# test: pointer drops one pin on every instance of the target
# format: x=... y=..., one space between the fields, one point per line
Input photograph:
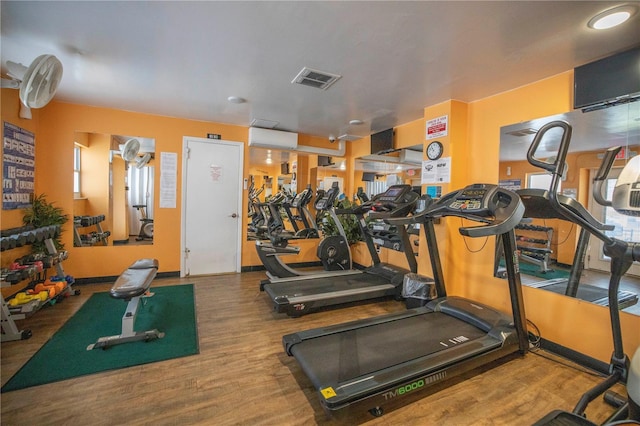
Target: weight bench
x=131 y=286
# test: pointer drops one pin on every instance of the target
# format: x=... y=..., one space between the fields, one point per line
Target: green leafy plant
x=349 y=222
x=43 y=213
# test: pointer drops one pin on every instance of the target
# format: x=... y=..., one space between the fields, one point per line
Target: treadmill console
x=326 y=201
x=474 y=199
x=500 y=209
x=302 y=198
x=396 y=201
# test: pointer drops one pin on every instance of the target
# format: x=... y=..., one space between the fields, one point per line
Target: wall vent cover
x=314 y=78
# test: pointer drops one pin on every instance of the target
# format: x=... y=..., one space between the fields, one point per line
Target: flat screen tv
x=284 y=168
x=368 y=177
x=324 y=161
x=609 y=81
x=382 y=142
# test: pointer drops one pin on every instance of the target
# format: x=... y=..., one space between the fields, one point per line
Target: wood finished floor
x=243 y=377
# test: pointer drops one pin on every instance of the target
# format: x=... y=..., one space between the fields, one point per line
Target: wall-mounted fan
x=37 y=83
x=129 y=150
x=143 y=160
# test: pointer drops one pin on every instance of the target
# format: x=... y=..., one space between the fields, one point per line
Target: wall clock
x=434 y=150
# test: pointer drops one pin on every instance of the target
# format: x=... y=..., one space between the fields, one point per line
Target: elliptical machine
x=333 y=251
x=622 y=255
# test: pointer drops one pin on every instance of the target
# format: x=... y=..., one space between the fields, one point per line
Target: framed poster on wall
x=18 y=167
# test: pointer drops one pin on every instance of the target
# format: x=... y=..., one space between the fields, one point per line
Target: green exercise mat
x=171 y=310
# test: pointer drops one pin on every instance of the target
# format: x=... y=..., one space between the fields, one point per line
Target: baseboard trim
x=577 y=357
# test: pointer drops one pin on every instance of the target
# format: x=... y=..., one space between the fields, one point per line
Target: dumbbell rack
x=90 y=239
x=19 y=238
x=533 y=249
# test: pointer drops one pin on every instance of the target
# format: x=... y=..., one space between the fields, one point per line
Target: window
x=76 y=171
x=376 y=187
x=541 y=181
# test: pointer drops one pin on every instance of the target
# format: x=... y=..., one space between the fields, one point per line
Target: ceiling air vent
x=349 y=138
x=265 y=124
x=314 y=78
x=523 y=132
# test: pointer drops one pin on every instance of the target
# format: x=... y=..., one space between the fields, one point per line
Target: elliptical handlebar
x=557 y=167
x=498 y=208
x=601 y=175
x=556 y=170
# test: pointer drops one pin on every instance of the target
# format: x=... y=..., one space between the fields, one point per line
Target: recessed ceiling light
x=356 y=122
x=612 y=17
x=236 y=100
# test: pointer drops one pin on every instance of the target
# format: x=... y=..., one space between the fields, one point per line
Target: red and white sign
x=437 y=127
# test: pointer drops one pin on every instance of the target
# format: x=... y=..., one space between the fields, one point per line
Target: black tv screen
x=284 y=168
x=368 y=177
x=382 y=141
x=324 y=160
x=606 y=80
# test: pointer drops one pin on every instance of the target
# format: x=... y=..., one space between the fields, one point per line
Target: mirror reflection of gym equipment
x=113 y=175
x=146 y=224
x=553 y=241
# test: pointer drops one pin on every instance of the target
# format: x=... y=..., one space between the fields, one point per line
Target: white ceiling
x=183 y=59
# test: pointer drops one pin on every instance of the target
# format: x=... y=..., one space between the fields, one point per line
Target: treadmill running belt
x=343 y=356
x=592 y=294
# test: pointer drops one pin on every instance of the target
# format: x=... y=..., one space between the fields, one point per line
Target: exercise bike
x=146 y=224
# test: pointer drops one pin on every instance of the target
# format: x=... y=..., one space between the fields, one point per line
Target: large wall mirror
x=113 y=189
x=548 y=246
x=278 y=176
x=375 y=172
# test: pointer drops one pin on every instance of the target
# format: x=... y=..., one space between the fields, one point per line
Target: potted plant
x=43 y=213
x=349 y=223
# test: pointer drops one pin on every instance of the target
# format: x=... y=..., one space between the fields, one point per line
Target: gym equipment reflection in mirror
x=548 y=246
x=114 y=189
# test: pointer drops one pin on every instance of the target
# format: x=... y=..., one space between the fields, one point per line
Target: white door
x=627 y=228
x=211 y=206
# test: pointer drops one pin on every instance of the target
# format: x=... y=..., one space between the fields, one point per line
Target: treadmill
x=300 y=295
x=365 y=364
x=539 y=205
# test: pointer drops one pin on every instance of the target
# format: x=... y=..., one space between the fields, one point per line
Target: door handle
x=233 y=215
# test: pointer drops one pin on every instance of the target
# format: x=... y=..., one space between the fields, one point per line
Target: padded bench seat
x=136 y=280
